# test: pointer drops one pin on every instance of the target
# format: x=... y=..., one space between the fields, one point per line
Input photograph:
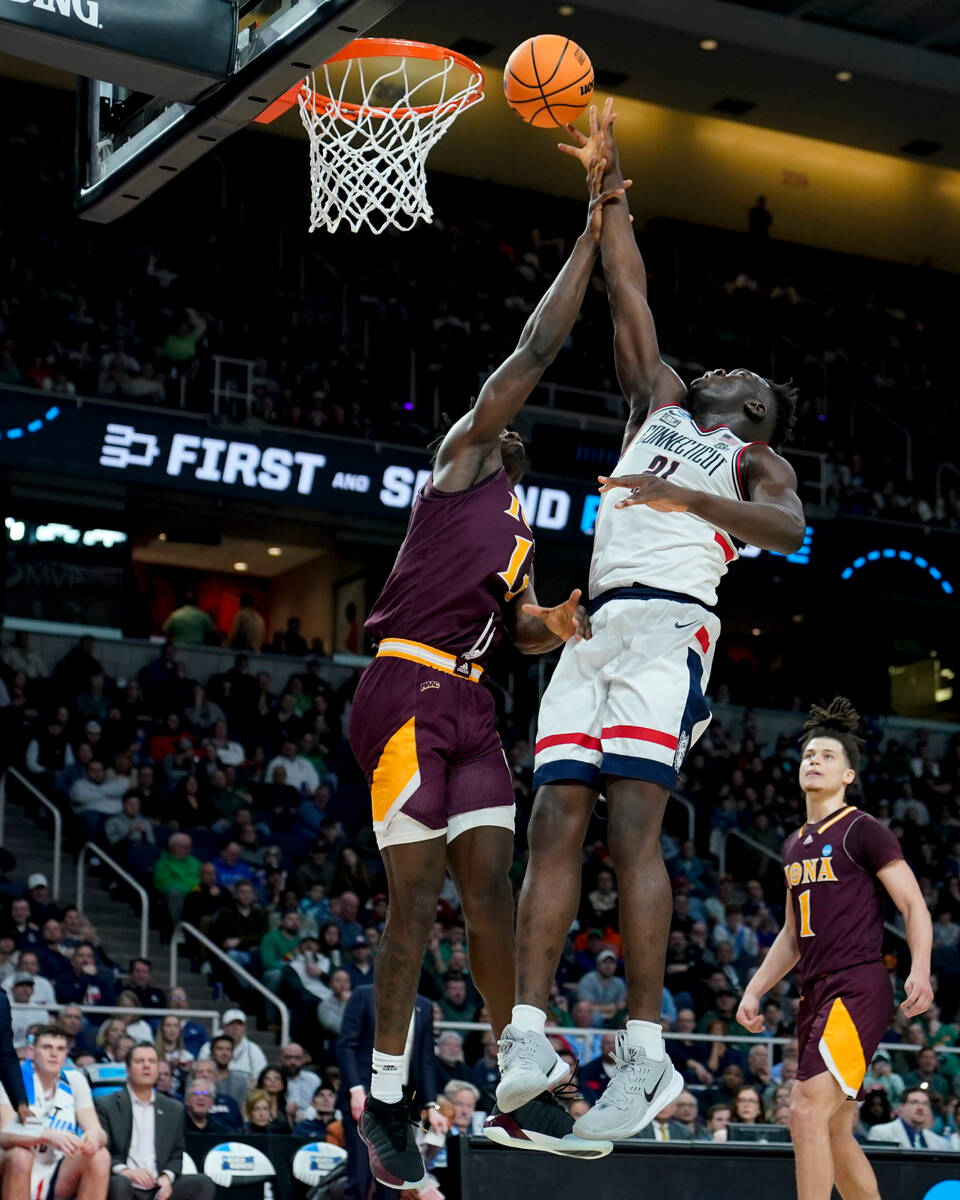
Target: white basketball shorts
x=630 y=700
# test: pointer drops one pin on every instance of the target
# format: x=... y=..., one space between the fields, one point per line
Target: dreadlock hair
x=446 y=424
x=786 y=397
x=839 y=720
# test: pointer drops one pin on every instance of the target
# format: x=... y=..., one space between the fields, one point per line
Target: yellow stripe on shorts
x=397 y=774
x=841 y=1049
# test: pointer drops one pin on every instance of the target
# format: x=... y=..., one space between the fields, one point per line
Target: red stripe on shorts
x=703 y=638
x=567 y=739
x=640 y=734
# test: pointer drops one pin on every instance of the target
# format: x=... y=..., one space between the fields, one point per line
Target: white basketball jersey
x=671 y=550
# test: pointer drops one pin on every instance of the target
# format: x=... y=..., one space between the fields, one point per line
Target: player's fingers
x=574 y=596
x=566 y=148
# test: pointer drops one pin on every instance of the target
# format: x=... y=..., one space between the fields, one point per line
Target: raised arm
x=772 y=518
x=645 y=379
x=471 y=448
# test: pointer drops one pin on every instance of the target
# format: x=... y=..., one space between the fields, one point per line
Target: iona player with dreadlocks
x=697 y=473
x=840 y=866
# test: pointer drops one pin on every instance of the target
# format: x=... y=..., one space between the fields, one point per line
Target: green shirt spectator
x=177 y=871
x=280 y=945
x=182 y=345
x=189 y=625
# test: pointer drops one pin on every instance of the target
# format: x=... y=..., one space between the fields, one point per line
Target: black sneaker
x=387 y=1131
x=542 y=1124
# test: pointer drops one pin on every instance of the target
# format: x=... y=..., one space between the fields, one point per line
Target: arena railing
x=749 y=1039
x=183 y=929
x=128 y=879
x=52 y=808
x=765 y=850
x=210 y=1015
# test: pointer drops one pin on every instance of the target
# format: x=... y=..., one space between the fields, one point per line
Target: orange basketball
x=548 y=80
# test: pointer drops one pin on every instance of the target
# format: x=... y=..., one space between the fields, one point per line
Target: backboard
x=140 y=127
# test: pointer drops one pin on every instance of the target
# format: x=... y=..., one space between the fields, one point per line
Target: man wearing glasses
x=145 y=1136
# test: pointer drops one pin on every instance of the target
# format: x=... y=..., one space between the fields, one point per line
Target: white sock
x=387 y=1081
x=526 y=1017
x=645 y=1036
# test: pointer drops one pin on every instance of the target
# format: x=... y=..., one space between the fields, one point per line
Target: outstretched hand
x=567 y=620
x=656 y=493
x=599 y=143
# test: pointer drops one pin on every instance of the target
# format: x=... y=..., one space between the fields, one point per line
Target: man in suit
x=664 y=1128
x=911 y=1129
x=355 y=1055
x=10 y=1075
x=145 y=1137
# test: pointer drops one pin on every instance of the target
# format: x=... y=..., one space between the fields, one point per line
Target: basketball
x=548 y=80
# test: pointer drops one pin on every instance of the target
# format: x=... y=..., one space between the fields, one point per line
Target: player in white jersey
x=61 y=1152
x=697 y=474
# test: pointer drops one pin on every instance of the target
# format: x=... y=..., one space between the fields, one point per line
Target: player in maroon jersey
x=839 y=866
x=422 y=726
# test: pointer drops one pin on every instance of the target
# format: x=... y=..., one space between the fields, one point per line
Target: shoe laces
x=523 y=1046
x=633 y=1072
x=395 y=1120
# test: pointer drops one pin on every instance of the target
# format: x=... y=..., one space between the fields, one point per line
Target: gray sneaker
x=640 y=1088
x=528 y=1065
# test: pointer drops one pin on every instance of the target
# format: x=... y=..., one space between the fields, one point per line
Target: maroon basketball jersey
x=838 y=902
x=465 y=556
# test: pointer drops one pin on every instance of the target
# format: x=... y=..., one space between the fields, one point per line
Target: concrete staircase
x=30 y=839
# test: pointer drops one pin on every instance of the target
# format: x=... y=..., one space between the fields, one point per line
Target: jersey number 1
x=806 y=929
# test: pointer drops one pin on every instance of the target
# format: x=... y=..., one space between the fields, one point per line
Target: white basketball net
x=368 y=158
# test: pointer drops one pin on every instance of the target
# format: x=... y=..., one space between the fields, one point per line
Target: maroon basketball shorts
x=842 y=1019
x=426 y=740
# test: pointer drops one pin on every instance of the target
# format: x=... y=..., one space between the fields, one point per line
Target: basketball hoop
x=368 y=155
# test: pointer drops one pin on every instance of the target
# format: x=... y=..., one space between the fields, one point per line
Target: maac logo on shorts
x=428 y=684
x=681 y=753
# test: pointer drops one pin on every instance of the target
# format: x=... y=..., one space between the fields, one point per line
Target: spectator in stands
x=747 y=1105
x=198 y=1100
x=665 y=1127
x=42 y=908
x=225 y=1108
x=49 y=753
x=136 y=1028
x=170 y=1045
x=301 y=1084
x=316 y=868
x=130 y=826
x=246 y=1057
x=277 y=947
x=240 y=927
x=300 y=773
x=139 y=981
x=880 y=1075
x=687 y=1115
x=719 y=1117
x=43 y=989
x=330 y=1011
x=928 y=1074
x=166 y=1085
x=602 y=988
x=176 y=874
x=291 y=640
x=83 y=983
x=194 y=1035
x=94 y=798
x=450 y=1059
x=189 y=625
x=249 y=628
x=80 y=1034
x=911 y=1128
x=464 y=1097
x=319 y=1122
x=26 y=932
x=21 y=1022
x=273 y=1085
x=76 y=668
x=597 y=1073
x=360 y=967
x=19 y=657
x=230 y=867
x=258 y=1117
